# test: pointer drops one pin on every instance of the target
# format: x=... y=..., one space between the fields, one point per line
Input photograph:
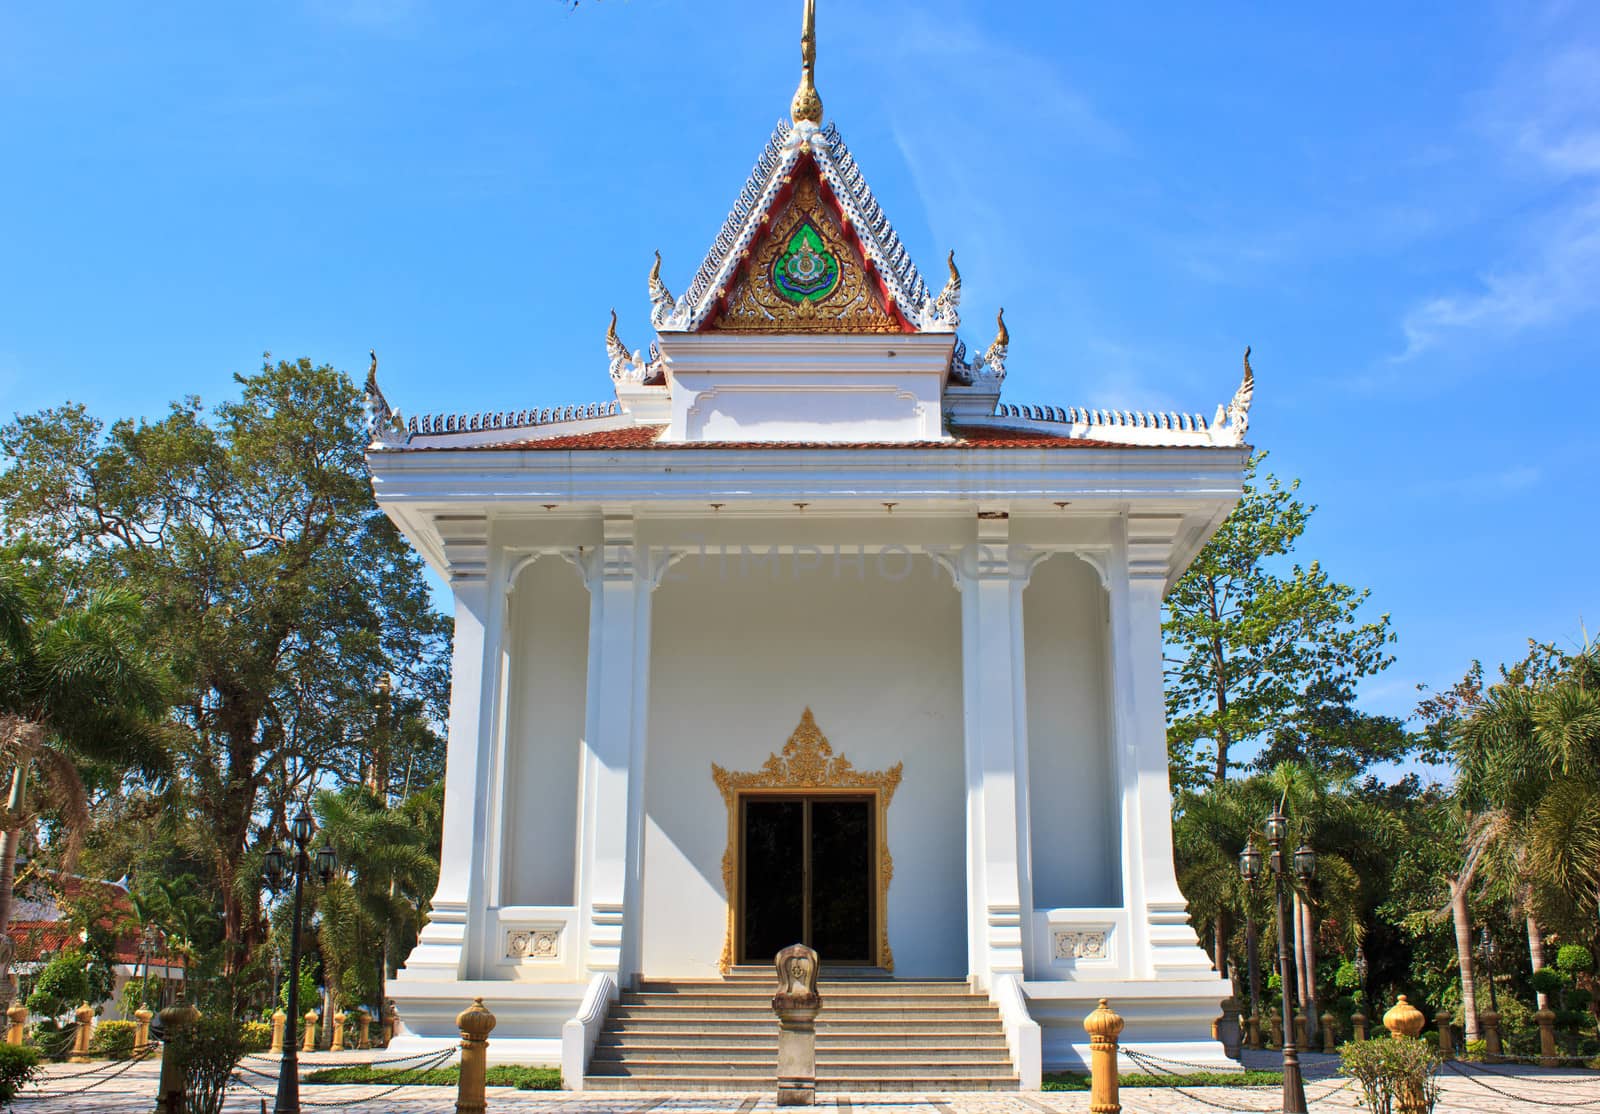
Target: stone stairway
x=872 y=1035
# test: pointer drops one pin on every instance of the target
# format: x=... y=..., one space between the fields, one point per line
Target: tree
x=1326 y=731
x=391 y=862
x=75 y=682
x=1246 y=643
x=277 y=589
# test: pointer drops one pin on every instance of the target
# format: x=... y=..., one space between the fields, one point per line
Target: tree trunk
x=1536 y=953
x=1252 y=948
x=1308 y=930
x=1463 y=926
x=1222 y=930
x=10 y=840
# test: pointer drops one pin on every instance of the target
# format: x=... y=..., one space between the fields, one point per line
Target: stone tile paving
x=1504 y=1089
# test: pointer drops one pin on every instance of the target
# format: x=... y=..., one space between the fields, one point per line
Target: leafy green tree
x=61 y=985
x=1245 y=641
x=1325 y=730
x=275 y=587
x=75 y=682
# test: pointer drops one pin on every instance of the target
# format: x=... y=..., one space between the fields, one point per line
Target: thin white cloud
x=1546 y=120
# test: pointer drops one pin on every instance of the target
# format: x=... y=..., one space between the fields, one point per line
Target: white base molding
x=1170 y=1019
x=527 y=1017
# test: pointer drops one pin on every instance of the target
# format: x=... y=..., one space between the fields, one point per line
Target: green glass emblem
x=806 y=271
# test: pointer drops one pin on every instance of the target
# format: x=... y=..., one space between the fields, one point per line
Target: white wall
x=1073 y=805
x=740 y=649
x=549 y=635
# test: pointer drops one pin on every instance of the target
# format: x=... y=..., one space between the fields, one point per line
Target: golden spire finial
x=806 y=104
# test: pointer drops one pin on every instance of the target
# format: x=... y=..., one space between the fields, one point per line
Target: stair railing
x=579 y=1033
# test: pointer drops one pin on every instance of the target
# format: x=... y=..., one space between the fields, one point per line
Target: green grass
x=503 y=1075
x=1071 y=1081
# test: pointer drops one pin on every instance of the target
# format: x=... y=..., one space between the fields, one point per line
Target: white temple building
x=804 y=635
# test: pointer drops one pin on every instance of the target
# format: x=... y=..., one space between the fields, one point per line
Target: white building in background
x=806 y=635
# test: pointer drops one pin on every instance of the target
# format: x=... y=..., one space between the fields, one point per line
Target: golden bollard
x=1358 y=1025
x=1104 y=1027
x=84 y=1016
x=1447 y=1044
x=141 y=1031
x=1301 y=1040
x=475 y=1023
x=337 y=1044
x=310 y=1042
x=169 y=1093
x=1547 y=1037
x=1275 y=1030
x=1330 y=1031
x=1253 y=1027
x=17 y=1015
x=1490 y=1021
x=363 y=1028
x=279 y=1019
x=1404 y=1020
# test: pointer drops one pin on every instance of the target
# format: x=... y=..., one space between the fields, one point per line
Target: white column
x=614 y=752
x=994 y=687
x=1163 y=944
x=441 y=951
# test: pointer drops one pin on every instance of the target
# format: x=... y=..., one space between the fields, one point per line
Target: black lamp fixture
x=1304 y=866
x=278 y=869
x=1490 y=952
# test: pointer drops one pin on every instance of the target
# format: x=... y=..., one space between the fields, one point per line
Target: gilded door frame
x=807 y=766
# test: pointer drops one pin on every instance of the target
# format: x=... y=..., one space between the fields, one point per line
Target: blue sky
x=1398 y=206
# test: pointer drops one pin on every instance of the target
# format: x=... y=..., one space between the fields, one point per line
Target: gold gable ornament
x=805 y=275
x=807 y=761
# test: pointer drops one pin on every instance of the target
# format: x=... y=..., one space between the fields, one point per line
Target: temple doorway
x=808 y=875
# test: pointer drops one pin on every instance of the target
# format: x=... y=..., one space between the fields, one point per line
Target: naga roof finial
x=661 y=301
x=807 y=105
x=1239 y=405
x=995 y=357
x=948 y=304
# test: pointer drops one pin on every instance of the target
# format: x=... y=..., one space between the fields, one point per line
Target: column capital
x=465 y=538
x=1150 y=542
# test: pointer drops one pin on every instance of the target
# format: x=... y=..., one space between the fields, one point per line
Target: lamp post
x=1490 y=950
x=1361 y=976
x=278 y=871
x=1304 y=866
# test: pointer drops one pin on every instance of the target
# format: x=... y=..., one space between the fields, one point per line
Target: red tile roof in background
x=646 y=437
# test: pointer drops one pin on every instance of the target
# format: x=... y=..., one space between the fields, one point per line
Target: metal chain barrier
x=1153 y=1065
x=1521 y=1096
x=436 y=1059
x=1149 y=1065
x=106 y=1076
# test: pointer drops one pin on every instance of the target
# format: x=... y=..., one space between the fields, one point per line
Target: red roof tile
x=646 y=437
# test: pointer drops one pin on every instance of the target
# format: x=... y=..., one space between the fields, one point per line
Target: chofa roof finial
x=807 y=105
x=661 y=301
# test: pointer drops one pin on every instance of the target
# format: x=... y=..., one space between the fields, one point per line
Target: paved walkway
x=1502 y=1089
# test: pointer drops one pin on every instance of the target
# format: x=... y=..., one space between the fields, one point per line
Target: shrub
x=255 y=1036
x=136 y=992
x=209 y=1050
x=113 y=1039
x=62 y=984
x=19 y=1066
x=1573 y=959
x=501 y=1075
x=1388 y=1069
x=1547 y=980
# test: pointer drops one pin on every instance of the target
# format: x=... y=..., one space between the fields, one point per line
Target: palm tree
x=1529 y=756
x=75 y=685
x=392 y=865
